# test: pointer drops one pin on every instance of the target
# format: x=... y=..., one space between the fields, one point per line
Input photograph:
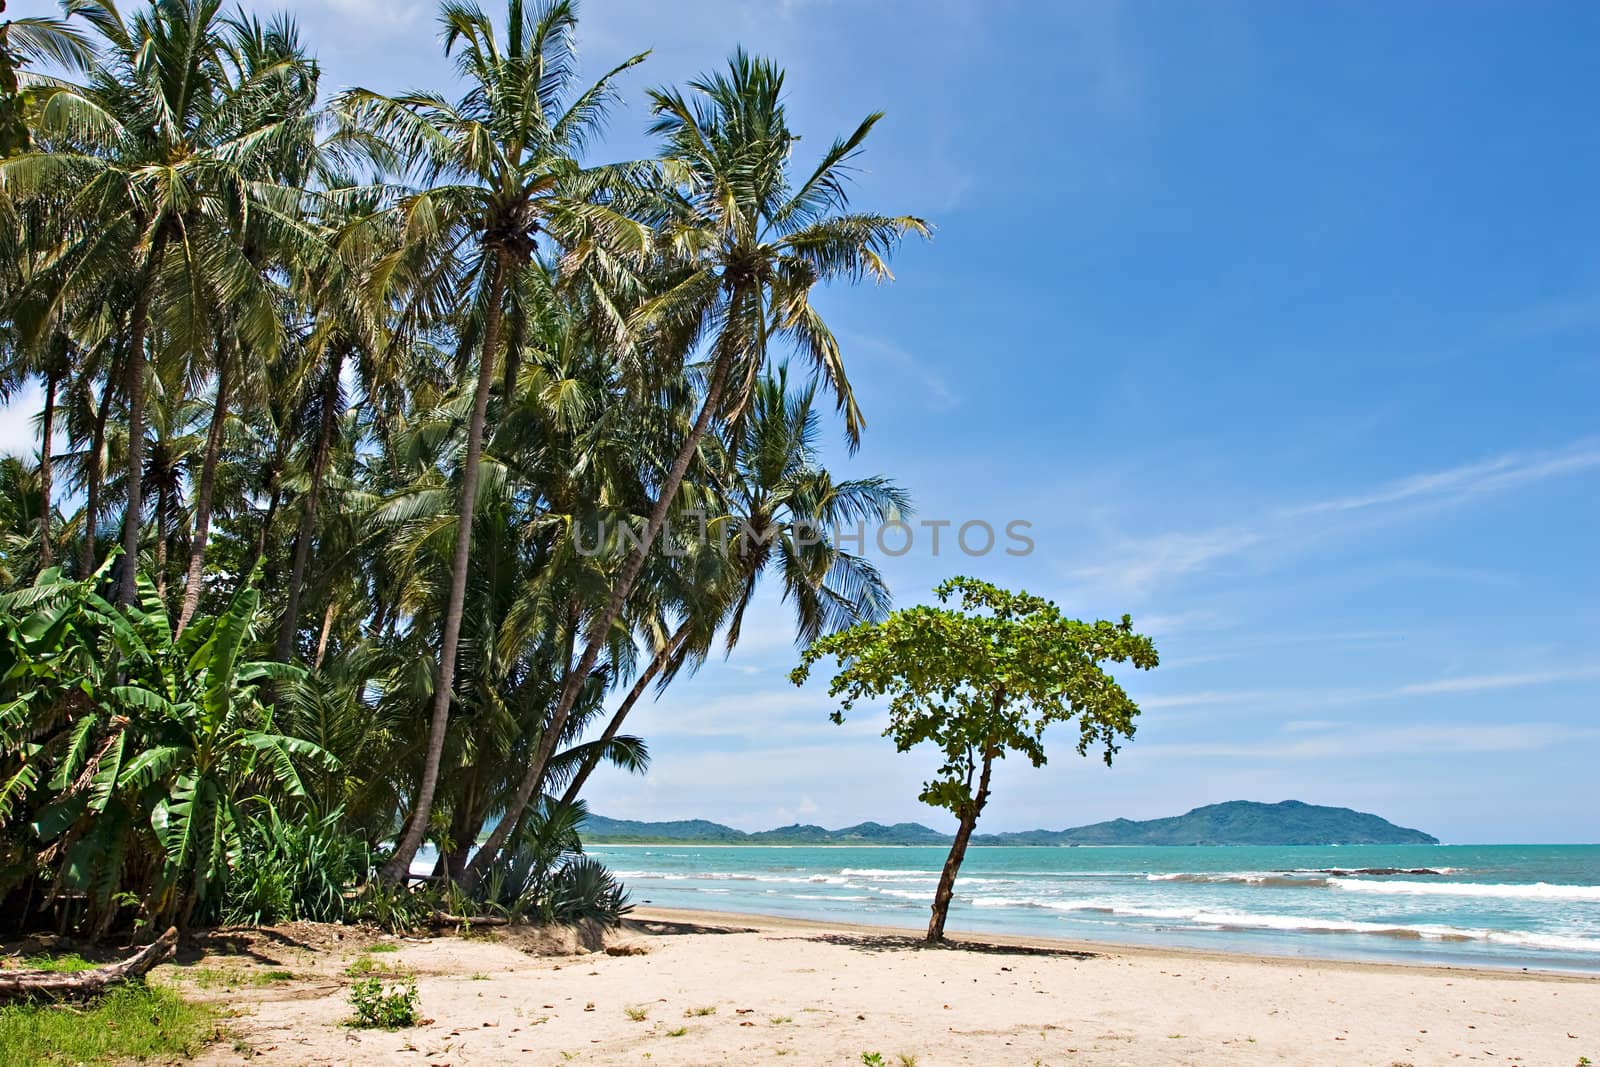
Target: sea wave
x=1273 y=879
x=1304 y=924
x=1533 y=891
x=1346 y=872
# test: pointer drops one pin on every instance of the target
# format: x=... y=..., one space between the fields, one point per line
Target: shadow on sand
x=665 y=928
x=906 y=943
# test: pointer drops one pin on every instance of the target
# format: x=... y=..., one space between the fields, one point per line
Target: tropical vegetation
x=979 y=680
x=392 y=449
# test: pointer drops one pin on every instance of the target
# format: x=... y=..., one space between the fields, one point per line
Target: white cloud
x=1367 y=743
x=1137 y=566
x=1500 y=474
x=18 y=434
x=1480 y=682
x=1140 y=565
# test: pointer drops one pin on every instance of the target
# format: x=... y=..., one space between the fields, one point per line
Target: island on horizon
x=1234 y=822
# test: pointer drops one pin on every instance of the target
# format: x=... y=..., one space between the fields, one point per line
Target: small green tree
x=979 y=680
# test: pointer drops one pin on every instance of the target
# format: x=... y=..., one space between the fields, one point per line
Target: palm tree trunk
x=667 y=653
x=597 y=637
x=47 y=426
x=466 y=822
x=322 y=639
x=87 y=556
x=127 y=588
x=399 y=864
x=162 y=504
x=290 y=624
x=207 y=487
x=958 y=852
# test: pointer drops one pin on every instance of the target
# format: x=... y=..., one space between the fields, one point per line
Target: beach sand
x=734 y=989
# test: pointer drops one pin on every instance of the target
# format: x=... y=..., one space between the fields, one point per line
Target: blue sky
x=1279 y=323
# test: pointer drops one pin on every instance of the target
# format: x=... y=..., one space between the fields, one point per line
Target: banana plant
x=151 y=744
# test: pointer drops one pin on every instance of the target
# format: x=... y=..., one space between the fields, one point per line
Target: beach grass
x=132 y=1022
x=66 y=963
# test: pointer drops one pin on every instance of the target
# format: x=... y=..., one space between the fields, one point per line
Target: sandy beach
x=703 y=988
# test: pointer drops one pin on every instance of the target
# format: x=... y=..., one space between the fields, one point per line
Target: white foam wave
x=1534 y=891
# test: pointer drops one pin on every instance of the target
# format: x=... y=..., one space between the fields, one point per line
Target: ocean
x=1512 y=906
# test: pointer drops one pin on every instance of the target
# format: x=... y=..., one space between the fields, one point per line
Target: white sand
x=810 y=993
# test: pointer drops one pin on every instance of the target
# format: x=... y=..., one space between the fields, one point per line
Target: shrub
x=381 y=1006
x=584 y=889
x=287 y=870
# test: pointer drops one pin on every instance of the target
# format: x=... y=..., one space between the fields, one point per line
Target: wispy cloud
x=938 y=394
x=1143 y=564
x=1137 y=566
x=1501 y=474
x=1322 y=697
x=1366 y=743
x=1477 y=683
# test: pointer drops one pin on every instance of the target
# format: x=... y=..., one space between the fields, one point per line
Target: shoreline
x=693 y=989
x=787 y=924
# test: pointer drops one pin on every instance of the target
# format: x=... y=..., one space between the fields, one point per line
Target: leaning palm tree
x=500 y=172
x=781 y=510
x=744 y=246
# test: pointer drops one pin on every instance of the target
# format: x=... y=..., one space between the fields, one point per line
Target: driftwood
x=20 y=985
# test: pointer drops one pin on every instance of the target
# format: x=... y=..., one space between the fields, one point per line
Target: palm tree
x=501 y=169
x=31 y=40
x=781 y=508
x=169 y=135
x=743 y=246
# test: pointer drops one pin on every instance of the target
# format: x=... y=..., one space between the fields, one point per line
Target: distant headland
x=1236 y=822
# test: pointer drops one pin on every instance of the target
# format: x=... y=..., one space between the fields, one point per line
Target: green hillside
x=1236 y=822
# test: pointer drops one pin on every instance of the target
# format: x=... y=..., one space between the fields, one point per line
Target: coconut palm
x=30 y=41
x=781 y=511
x=743 y=245
x=501 y=170
x=172 y=136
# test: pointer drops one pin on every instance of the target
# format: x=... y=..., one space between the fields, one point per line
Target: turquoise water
x=1534 y=906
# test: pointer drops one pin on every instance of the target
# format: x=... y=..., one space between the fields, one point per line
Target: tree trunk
x=48 y=428
x=128 y=587
x=20 y=984
x=290 y=623
x=465 y=824
x=162 y=506
x=958 y=852
x=660 y=660
x=87 y=556
x=203 y=495
x=398 y=866
x=597 y=638
x=322 y=639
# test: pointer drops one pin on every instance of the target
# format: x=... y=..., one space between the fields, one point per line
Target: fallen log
x=28 y=984
x=440 y=918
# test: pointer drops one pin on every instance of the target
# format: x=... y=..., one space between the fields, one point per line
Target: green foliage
x=288 y=870
x=583 y=889
x=67 y=963
x=394 y=908
x=199 y=262
x=547 y=877
x=978 y=681
x=986 y=678
x=384 y=1005
x=128 y=757
x=131 y=1022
